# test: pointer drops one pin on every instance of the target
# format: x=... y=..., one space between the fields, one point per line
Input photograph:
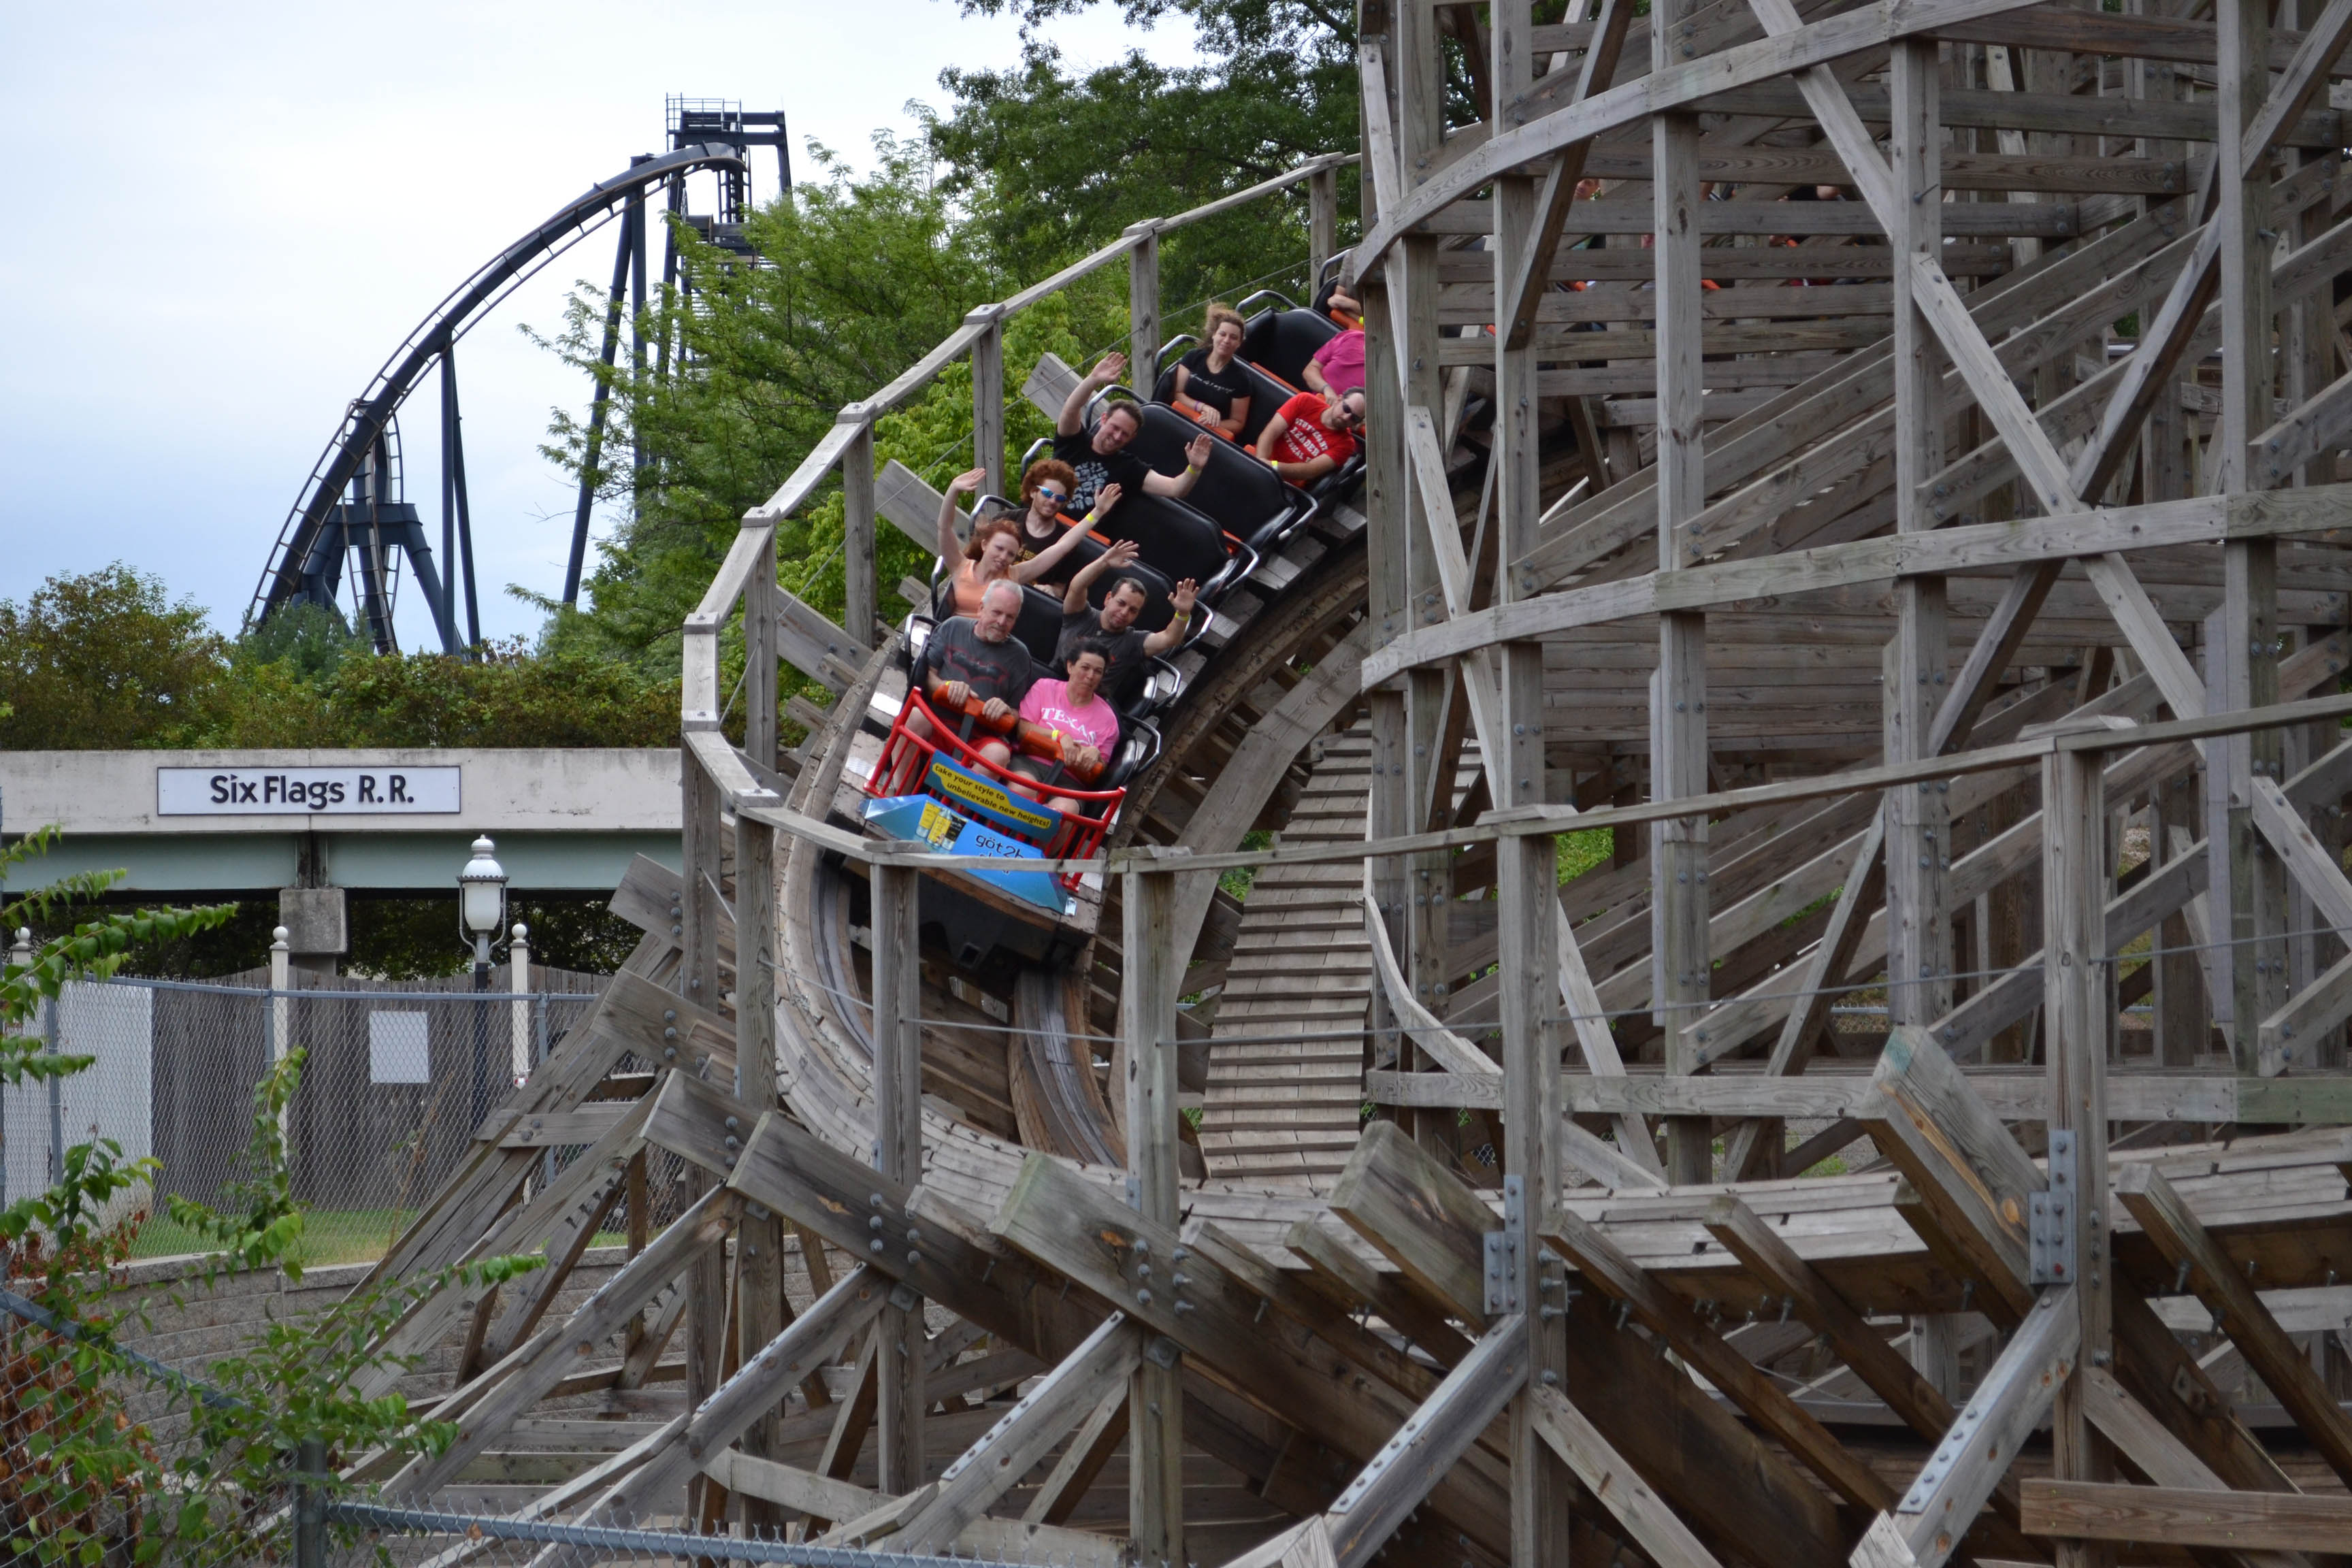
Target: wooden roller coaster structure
x=1901 y=507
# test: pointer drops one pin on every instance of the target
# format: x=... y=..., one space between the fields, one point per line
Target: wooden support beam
x=1616 y=1485
x=897 y=1155
x=1682 y=964
x=1073 y=1228
x=1766 y=1254
x=1009 y=1450
x=1738 y=1491
x=2078 y=1019
x=1091 y=1446
x=988 y=393
x=1348 y=1280
x=2174 y=1516
x=1916 y=821
x=1746 y=1385
x=1926 y=1527
x=484 y=1409
x=2168 y=1222
x=1390 y=1193
x=1816 y=986
x=814 y=1338
x=761 y=1310
x=2144 y=1442
x=1148 y=999
x=861 y=598
x=1966 y=1170
x=701 y=801
x=824 y=1497
x=1531 y=276
x=1368 y=1512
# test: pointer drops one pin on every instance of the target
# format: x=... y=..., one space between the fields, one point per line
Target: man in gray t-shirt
x=977 y=658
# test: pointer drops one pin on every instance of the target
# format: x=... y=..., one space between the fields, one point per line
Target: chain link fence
x=397 y=1077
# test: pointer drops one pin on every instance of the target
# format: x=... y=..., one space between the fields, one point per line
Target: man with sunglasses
x=1311 y=435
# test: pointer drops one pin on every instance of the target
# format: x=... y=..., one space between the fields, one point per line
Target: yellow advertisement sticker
x=987 y=796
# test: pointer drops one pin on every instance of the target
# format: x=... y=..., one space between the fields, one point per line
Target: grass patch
x=1238 y=880
x=1577 y=853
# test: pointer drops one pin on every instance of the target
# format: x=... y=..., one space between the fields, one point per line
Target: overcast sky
x=228 y=215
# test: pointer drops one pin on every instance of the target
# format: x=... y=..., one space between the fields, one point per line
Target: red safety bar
x=904 y=769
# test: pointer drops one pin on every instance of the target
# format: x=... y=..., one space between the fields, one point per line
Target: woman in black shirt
x=1210 y=386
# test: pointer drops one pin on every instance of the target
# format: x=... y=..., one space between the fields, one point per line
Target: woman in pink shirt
x=1088 y=725
x=1337 y=367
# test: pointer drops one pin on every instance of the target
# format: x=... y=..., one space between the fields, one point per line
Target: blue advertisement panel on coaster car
x=921 y=819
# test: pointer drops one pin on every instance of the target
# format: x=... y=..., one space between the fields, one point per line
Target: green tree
x=1056 y=163
x=506 y=697
x=859 y=279
x=107 y=659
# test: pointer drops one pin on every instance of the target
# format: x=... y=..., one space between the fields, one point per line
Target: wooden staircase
x=1287 y=1053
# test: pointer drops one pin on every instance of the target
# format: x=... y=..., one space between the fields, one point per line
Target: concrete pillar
x=317 y=923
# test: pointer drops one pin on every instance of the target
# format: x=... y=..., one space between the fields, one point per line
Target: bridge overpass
x=248 y=822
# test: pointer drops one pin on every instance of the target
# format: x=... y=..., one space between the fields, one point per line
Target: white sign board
x=312 y=792
x=398 y=1048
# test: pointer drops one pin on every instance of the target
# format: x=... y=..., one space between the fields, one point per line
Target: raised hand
x=1182 y=595
x=1197 y=453
x=1107 y=369
x=1122 y=553
x=970 y=479
x=1107 y=497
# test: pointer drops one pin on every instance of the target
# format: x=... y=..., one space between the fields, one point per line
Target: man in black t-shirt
x=977 y=658
x=1099 y=456
x=1114 y=623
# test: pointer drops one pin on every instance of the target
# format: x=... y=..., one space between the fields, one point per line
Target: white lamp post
x=481 y=909
x=482 y=899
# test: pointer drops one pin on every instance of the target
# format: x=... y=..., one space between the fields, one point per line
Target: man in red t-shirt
x=1310 y=435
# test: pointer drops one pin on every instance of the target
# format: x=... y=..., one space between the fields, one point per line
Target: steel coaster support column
x=1678 y=694
x=860 y=598
x=1919 y=837
x=1428 y=765
x=597 y=410
x=2077 y=1012
x=453 y=460
x=1527 y=875
x=1144 y=307
x=898 y=1156
x=987 y=404
x=1147 y=1005
x=448 y=602
x=635 y=219
x=375 y=493
x=675 y=205
x=2257 y=884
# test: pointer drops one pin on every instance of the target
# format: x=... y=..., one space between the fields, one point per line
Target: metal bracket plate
x=1506 y=1252
x=2050 y=1217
